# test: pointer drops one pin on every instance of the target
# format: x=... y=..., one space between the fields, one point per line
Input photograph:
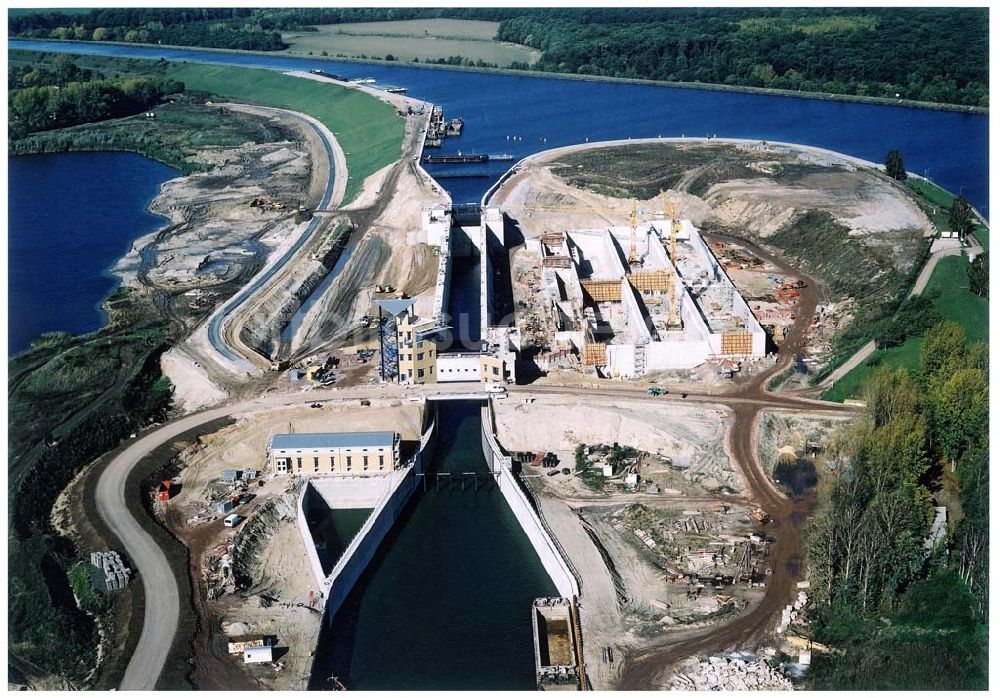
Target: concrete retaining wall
x=548 y=551
x=335 y=587
x=307 y=540
x=362 y=548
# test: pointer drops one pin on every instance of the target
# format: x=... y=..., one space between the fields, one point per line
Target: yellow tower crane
x=633 y=255
x=673 y=312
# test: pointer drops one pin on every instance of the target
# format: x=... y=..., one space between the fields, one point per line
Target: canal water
x=71 y=216
x=523 y=114
x=333 y=530
x=446 y=601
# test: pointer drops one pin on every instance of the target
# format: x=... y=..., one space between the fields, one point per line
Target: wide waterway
x=71 y=216
x=520 y=115
x=446 y=601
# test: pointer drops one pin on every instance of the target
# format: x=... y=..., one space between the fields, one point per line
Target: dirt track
x=644 y=669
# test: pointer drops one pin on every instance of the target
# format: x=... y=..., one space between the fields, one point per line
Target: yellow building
x=417 y=356
x=343 y=453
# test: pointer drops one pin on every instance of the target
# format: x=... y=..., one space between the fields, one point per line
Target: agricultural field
x=949 y=289
x=425 y=39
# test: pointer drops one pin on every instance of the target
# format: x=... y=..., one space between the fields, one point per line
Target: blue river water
x=71 y=216
x=951 y=148
x=445 y=603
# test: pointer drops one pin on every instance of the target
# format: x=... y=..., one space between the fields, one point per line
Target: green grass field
x=950 y=284
x=942 y=199
x=369 y=130
x=426 y=39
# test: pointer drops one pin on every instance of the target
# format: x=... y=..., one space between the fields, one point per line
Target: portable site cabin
x=258 y=655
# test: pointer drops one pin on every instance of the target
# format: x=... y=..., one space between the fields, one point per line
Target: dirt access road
x=644 y=669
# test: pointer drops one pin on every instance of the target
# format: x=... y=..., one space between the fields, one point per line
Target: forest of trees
x=929 y=54
x=923 y=435
x=935 y=55
x=40 y=98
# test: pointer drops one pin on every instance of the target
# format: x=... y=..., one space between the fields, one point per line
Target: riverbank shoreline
x=710 y=87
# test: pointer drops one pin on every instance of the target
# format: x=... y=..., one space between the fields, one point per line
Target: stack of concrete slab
x=116 y=573
x=736 y=672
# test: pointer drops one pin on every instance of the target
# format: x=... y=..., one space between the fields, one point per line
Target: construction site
x=719 y=219
x=627 y=301
x=250 y=564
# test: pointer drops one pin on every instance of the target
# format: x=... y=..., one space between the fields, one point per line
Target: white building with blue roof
x=351 y=453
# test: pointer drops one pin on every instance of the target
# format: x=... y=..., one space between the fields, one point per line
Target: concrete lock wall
x=307 y=540
x=546 y=549
x=362 y=548
x=337 y=585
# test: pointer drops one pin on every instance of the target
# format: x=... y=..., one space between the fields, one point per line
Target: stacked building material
x=116 y=573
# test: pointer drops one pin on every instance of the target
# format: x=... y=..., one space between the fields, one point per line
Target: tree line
x=929 y=54
x=935 y=55
x=922 y=433
x=51 y=106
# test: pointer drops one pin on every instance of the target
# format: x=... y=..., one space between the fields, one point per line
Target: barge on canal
x=555 y=645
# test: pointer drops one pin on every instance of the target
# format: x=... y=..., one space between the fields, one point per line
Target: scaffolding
x=737 y=343
x=602 y=291
x=594 y=355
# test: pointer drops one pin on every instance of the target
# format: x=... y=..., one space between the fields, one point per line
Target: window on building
x=332 y=466
x=420 y=356
x=348 y=462
x=365 y=462
x=496 y=371
x=420 y=373
x=298 y=463
x=381 y=462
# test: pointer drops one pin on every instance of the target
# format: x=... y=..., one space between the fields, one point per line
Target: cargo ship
x=454 y=159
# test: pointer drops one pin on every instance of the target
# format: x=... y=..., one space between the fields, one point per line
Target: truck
x=657 y=390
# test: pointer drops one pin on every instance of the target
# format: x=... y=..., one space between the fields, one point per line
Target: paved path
x=332 y=197
x=868 y=349
x=162 y=606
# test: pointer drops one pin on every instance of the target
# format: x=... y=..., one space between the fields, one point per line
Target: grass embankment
x=423 y=39
x=948 y=288
x=937 y=203
x=368 y=130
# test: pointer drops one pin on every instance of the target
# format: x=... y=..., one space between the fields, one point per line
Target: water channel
x=523 y=114
x=445 y=602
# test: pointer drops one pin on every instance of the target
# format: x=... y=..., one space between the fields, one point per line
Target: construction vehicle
x=760 y=515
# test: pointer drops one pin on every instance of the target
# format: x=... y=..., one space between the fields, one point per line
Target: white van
x=232 y=521
x=496 y=388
